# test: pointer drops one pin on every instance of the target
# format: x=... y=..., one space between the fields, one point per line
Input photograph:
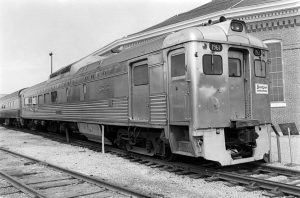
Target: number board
x=293 y=129
x=257 y=52
x=217 y=47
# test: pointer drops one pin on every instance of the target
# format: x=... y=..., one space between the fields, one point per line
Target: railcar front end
x=218 y=93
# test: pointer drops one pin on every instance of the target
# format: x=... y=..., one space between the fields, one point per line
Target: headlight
x=257 y=52
x=236 y=26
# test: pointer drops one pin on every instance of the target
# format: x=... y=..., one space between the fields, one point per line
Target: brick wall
x=288 y=31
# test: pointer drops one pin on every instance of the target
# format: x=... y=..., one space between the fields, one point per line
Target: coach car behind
x=10 y=108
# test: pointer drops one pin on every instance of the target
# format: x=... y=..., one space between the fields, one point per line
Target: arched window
x=276 y=70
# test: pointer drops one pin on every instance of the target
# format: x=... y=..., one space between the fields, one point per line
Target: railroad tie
x=252 y=187
x=275 y=192
x=214 y=177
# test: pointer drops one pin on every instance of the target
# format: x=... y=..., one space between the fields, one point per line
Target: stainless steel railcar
x=10 y=108
x=200 y=92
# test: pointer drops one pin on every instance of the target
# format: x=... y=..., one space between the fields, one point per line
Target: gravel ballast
x=117 y=170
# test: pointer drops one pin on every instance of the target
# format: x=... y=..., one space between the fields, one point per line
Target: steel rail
x=260 y=183
x=279 y=170
x=21 y=186
x=86 y=178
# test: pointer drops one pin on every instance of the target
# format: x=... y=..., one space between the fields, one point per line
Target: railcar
x=10 y=109
x=199 y=92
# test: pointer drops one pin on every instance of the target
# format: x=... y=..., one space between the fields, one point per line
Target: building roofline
x=230 y=13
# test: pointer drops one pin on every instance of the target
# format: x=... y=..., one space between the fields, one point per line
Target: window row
x=8 y=105
x=52 y=97
x=213 y=65
x=102 y=72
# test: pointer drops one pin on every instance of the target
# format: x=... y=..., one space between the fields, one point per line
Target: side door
x=140 y=91
x=179 y=89
x=237 y=96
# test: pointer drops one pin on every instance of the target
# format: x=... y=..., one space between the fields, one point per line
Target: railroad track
x=253 y=176
x=274 y=181
x=23 y=176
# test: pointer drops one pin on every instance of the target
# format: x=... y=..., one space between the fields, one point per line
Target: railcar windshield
x=212 y=64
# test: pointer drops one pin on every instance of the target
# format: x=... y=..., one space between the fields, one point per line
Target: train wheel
x=169 y=156
x=119 y=141
x=7 y=122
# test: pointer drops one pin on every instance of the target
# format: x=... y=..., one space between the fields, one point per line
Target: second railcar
x=10 y=109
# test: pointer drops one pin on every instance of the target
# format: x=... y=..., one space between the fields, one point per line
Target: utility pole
x=50 y=54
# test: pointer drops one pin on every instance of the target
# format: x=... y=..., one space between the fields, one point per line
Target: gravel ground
x=116 y=169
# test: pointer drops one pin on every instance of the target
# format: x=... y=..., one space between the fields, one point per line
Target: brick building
x=276 y=22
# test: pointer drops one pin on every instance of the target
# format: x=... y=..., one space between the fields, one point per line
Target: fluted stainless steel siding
x=158 y=109
x=113 y=110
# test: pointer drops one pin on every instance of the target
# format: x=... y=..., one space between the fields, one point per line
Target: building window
x=276 y=70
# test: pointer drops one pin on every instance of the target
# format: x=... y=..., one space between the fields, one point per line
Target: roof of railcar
x=140 y=50
x=155 y=45
x=12 y=95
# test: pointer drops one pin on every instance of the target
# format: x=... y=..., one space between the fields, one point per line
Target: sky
x=70 y=29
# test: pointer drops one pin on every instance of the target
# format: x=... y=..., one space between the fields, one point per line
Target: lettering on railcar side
x=261 y=88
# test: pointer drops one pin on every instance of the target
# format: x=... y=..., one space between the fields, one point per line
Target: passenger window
x=83 y=97
x=54 y=97
x=40 y=99
x=84 y=88
x=178 y=65
x=140 y=75
x=260 y=68
x=34 y=102
x=67 y=92
x=234 y=67
x=46 y=98
x=212 y=64
x=30 y=100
